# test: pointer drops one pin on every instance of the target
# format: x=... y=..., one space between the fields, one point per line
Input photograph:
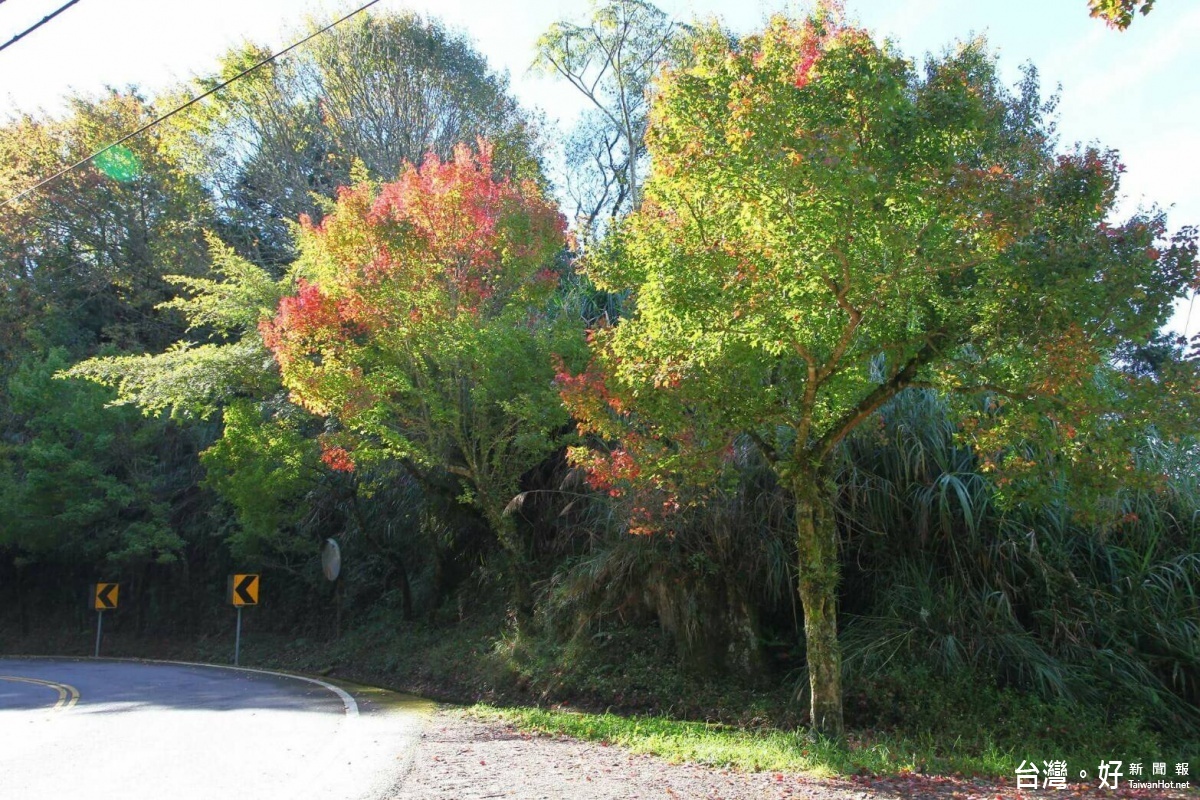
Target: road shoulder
x=465 y=758
x=461 y=757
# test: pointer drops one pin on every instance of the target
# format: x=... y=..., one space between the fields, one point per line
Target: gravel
x=459 y=758
x=466 y=759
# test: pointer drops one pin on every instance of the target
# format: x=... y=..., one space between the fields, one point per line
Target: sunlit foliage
x=826 y=226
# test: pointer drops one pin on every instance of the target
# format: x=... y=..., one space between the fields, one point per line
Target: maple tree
x=1119 y=13
x=825 y=226
x=420 y=326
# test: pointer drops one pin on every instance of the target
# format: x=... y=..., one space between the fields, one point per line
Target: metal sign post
x=102 y=596
x=99 y=628
x=241 y=590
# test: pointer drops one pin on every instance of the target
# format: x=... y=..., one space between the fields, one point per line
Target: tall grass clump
x=707 y=579
x=938 y=575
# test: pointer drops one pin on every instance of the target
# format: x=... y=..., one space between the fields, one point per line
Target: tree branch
x=877 y=397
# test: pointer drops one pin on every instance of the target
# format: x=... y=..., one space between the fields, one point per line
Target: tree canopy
x=825 y=226
x=611 y=60
x=422 y=328
x=376 y=92
x=80 y=262
x=869 y=344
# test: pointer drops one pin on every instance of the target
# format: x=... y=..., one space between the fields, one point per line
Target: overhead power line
x=186 y=105
x=36 y=25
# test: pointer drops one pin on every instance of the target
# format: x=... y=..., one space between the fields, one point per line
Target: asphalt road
x=79 y=728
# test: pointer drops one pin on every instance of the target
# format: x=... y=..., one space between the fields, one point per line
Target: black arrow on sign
x=243 y=589
x=105 y=596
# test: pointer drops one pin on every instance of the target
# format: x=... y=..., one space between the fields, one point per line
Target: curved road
x=84 y=728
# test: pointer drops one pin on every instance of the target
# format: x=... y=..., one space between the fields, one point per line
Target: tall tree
x=421 y=328
x=376 y=92
x=395 y=88
x=825 y=227
x=81 y=264
x=611 y=59
x=81 y=259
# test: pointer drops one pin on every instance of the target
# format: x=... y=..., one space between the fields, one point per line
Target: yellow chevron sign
x=243 y=590
x=104 y=596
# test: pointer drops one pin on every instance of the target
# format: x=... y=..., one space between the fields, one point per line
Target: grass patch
x=755 y=750
x=679 y=741
x=774 y=750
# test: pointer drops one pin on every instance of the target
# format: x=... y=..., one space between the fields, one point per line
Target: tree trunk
x=516 y=565
x=406 y=593
x=819 y=570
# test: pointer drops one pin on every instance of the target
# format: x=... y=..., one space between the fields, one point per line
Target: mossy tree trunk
x=820 y=571
x=517 y=567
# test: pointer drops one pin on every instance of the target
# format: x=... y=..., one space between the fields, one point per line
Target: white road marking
x=191 y=752
x=348 y=702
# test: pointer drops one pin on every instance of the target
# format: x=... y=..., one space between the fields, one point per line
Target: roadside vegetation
x=835 y=432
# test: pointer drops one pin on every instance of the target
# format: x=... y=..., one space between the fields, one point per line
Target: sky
x=1135 y=91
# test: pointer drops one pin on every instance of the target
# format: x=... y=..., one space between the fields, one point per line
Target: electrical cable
x=36 y=25
x=186 y=105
